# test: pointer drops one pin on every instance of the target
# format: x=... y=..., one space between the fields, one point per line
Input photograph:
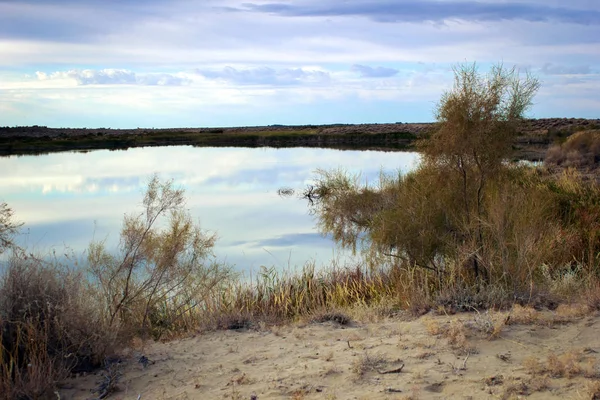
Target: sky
x=188 y=63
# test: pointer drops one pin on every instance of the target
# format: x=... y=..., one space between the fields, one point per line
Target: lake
x=68 y=199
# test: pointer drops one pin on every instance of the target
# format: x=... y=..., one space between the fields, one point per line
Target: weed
x=110 y=377
x=367 y=363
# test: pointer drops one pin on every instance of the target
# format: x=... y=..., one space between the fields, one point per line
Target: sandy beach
x=525 y=353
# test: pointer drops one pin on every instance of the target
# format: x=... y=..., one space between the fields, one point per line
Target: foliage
x=477 y=124
x=8 y=227
x=478 y=119
x=467 y=219
x=580 y=150
x=48 y=327
x=162 y=265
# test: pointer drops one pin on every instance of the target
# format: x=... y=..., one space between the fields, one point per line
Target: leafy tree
x=478 y=122
x=439 y=214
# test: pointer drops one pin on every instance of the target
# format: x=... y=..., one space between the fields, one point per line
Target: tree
x=477 y=124
x=435 y=215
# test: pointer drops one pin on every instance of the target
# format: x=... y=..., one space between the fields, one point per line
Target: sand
x=431 y=357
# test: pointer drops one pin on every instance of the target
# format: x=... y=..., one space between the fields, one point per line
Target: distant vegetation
x=581 y=150
x=467 y=230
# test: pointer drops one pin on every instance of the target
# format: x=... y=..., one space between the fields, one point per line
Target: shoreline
x=535 y=136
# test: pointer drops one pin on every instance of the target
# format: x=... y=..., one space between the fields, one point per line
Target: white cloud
x=266 y=75
x=366 y=71
x=114 y=77
x=257 y=59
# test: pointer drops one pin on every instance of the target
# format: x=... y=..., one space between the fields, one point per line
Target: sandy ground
x=431 y=357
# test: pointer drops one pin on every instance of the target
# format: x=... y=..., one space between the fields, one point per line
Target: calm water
x=66 y=199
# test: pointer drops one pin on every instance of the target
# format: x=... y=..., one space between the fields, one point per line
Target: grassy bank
x=20 y=141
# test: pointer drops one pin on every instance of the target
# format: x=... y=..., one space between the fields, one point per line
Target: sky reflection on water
x=66 y=199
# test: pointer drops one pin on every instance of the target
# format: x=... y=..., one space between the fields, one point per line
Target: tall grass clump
x=48 y=327
x=277 y=297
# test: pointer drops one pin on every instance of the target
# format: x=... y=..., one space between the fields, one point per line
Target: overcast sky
x=173 y=63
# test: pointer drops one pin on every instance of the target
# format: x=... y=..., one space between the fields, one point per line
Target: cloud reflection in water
x=68 y=198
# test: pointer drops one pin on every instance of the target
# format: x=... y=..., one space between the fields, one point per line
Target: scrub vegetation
x=465 y=231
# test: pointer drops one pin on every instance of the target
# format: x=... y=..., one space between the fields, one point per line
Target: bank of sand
x=394 y=358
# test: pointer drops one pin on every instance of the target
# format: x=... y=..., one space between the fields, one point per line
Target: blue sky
x=172 y=63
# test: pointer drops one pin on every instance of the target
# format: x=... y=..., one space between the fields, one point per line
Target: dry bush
x=367 y=363
x=338 y=317
x=433 y=326
x=558 y=366
x=580 y=150
x=456 y=335
x=489 y=323
x=570 y=312
x=523 y=315
x=49 y=327
x=8 y=227
x=519 y=388
x=163 y=273
x=454 y=331
x=591 y=296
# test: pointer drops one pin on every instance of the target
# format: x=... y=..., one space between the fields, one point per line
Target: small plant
x=558 y=366
x=110 y=377
x=367 y=363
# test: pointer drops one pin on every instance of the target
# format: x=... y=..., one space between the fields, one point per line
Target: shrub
x=49 y=327
x=466 y=229
x=580 y=150
x=162 y=271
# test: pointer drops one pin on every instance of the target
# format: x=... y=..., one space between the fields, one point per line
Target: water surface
x=66 y=199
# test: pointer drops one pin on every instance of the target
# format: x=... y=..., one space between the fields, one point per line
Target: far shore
x=535 y=137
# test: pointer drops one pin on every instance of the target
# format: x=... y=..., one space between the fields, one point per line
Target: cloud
x=115 y=77
x=266 y=76
x=437 y=11
x=552 y=69
x=377 y=72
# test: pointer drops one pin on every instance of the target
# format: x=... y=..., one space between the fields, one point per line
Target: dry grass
x=520 y=315
x=49 y=327
x=581 y=150
x=515 y=388
x=593 y=389
x=456 y=332
x=567 y=365
x=368 y=363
